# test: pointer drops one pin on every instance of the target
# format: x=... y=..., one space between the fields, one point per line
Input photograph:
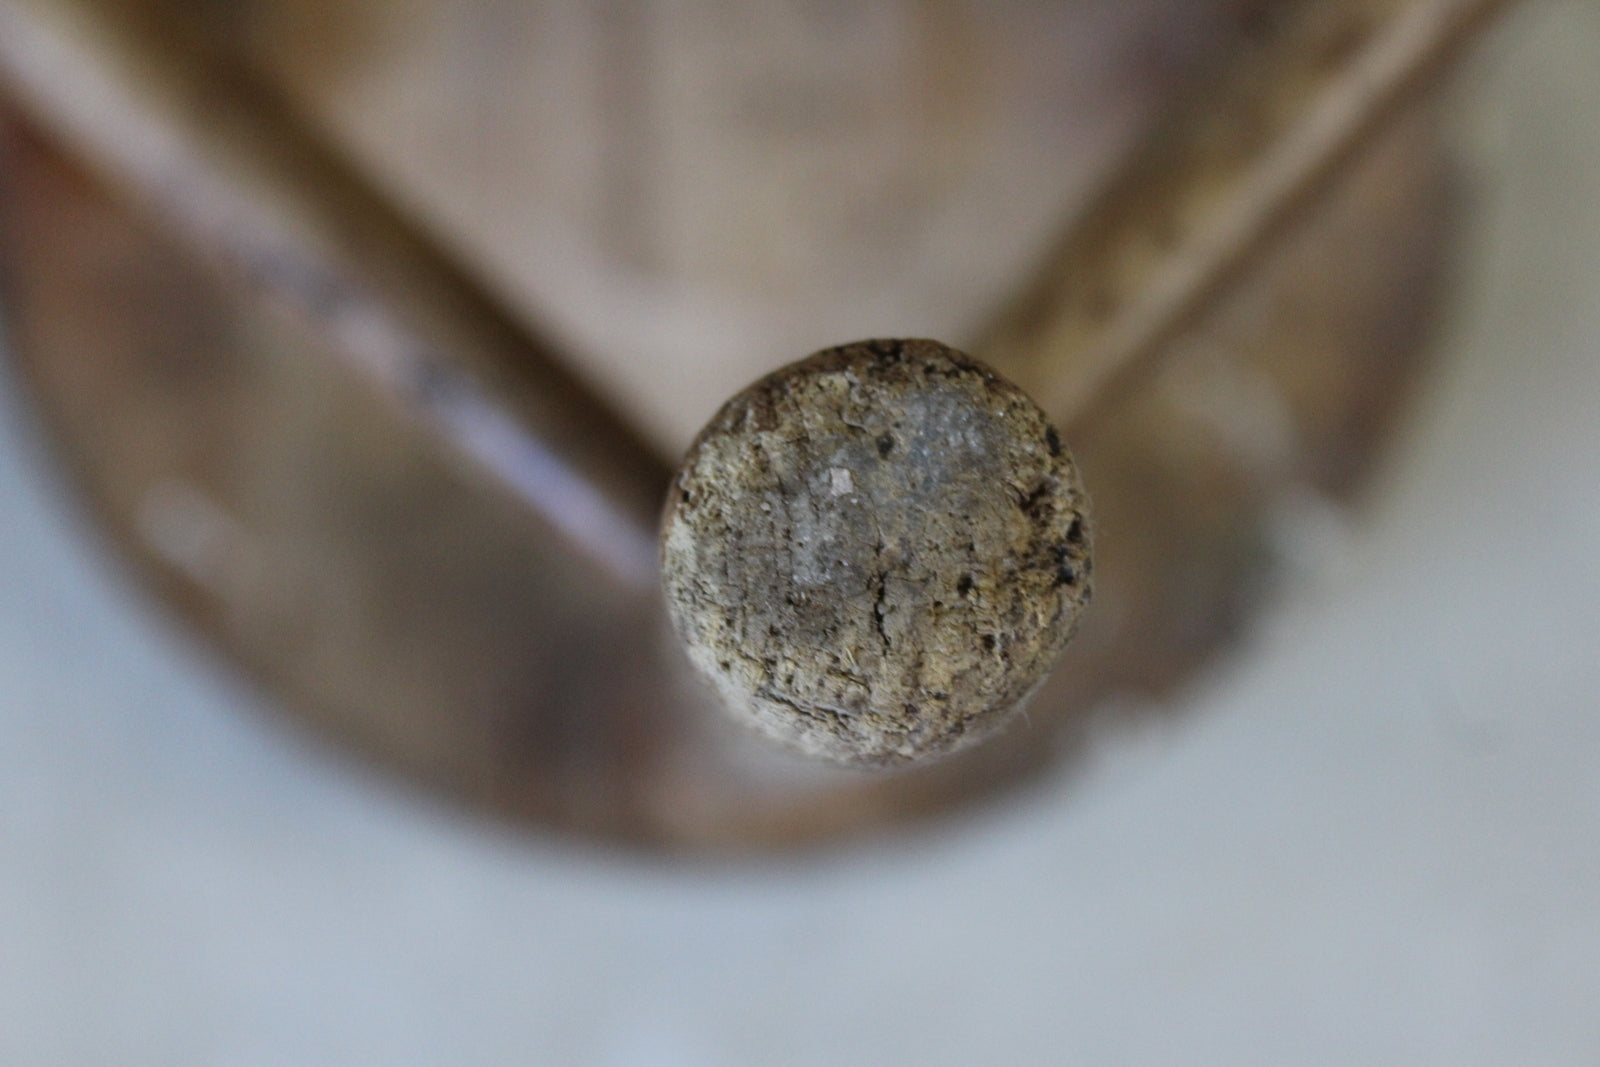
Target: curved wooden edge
x=1176 y=226
x=147 y=100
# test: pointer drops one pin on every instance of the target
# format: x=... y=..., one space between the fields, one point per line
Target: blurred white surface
x=1374 y=837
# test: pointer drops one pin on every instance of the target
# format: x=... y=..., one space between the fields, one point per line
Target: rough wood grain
x=877 y=553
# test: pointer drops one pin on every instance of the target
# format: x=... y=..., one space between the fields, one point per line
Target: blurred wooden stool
x=372 y=331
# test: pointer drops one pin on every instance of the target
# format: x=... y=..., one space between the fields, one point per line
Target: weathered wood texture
x=875 y=554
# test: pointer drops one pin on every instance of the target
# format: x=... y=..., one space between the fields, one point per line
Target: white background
x=1374 y=837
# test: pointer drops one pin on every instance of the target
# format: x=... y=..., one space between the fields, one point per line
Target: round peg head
x=877 y=553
